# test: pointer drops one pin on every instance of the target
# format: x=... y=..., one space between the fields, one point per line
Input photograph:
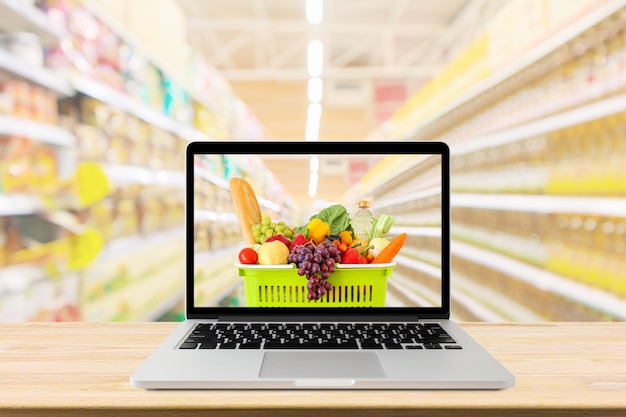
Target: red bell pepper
x=297 y=241
x=352 y=256
x=281 y=238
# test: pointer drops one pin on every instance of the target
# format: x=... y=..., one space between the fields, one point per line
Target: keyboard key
x=228 y=345
x=311 y=345
x=393 y=346
x=432 y=346
x=208 y=345
x=371 y=345
x=453 y=347
x=250 y=345
x=188 y=345
x=414 y=347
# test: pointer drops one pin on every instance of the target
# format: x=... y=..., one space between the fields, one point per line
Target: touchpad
x=320 y=364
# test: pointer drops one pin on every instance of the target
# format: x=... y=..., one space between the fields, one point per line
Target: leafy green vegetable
x=381 y=226
x=336 y=216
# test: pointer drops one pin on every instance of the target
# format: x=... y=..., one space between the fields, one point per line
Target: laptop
x=384 y=326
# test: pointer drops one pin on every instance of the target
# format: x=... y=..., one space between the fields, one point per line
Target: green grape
x=279 y=228
x=269 y=233
x=262 y=239
x=266 y=221
x=256 y=226
x=288 y=233
x=256 y=233
x=264 y=228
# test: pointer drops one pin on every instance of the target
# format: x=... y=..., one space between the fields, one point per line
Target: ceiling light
x=313 y=125
x=311 y=134
x=313 y=184
x=315 y=58
x=314 y=164
x=315 y=89
x=314 y=11
x=315 y=111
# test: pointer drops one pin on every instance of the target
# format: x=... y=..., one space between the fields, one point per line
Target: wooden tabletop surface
x=83 y=369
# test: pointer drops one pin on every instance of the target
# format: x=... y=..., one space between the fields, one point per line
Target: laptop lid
x=407 y=180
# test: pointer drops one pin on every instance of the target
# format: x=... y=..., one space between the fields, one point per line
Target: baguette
x=246 y=207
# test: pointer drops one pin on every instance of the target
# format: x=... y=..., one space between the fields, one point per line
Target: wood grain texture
x=83 y=369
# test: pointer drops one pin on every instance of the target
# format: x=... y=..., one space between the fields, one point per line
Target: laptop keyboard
x=319 y=336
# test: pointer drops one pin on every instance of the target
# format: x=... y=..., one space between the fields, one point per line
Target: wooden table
x=83 y=369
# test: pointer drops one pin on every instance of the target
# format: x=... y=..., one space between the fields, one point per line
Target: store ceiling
x=376 y=54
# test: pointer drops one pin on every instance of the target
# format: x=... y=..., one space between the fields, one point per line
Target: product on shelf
x=46 y=300
x=24 y=100
x=27 y=166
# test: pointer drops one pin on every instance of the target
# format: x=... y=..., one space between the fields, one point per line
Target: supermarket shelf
x=39 y=75
x=269 y=204
x=428 y=192
x=498 y=303
x=214 y=216
x=212 y=255
x=126 y=174
x=522 y=248
x=18 y=278
x=123 y=102
x=167 y=306
x=223 y=278
x=19 y=16
x=40 y=132
x=418 y=231
x=213 y=179
x=545 y=281
x=542 y=50
x=138 y=296
x=603 y=206
x=523 y=180
x=577 y=116
x=22 y=204
x=395 y=171
x=411 y=293
x=223 y=183
x=422 y=267
x=123 y=245
x=415 y=294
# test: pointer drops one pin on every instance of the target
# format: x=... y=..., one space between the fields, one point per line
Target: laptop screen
x=303 y=227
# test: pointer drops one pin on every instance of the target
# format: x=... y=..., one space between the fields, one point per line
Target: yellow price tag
x=92 y=182
x=85 y=249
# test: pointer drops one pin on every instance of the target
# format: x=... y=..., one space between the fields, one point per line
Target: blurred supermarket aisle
x=93 y=128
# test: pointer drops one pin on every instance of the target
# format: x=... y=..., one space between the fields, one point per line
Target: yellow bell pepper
x=318 y=230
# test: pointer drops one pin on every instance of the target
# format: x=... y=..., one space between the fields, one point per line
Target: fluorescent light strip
x=315 y=58
x=313 y=177
x=315 y=111
x=315 y=88
x=314 y=164
x=314 y=11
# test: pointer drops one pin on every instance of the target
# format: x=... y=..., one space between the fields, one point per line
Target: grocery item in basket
x=246 y=207
x=391 y=250
x=273 y=253
x=316 y=262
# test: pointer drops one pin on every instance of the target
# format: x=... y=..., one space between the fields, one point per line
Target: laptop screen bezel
x=310 y=148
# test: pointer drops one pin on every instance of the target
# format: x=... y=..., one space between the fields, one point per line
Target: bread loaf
x=246 y=207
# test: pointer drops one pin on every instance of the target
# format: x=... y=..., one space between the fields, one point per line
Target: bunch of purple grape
x=316 y=263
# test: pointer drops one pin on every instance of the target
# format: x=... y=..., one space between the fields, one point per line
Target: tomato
x=248 y=256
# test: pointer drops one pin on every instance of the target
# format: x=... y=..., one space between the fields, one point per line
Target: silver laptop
x=379 y=327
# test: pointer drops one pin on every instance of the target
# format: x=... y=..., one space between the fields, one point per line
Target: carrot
x=391 y=250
